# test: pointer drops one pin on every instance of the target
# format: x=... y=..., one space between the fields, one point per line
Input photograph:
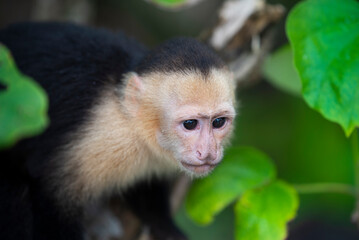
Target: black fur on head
x=180 y=55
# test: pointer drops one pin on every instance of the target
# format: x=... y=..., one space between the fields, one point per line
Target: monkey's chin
x=198 y=170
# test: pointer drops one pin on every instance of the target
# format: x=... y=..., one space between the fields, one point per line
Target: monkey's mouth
x=199 y=168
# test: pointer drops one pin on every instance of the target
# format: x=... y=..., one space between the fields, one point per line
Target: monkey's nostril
x=198 y=154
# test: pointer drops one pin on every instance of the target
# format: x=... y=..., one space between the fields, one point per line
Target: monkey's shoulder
x=75 y=65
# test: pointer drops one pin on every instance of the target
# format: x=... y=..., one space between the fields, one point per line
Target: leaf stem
x=325 y=188
x=355 y=149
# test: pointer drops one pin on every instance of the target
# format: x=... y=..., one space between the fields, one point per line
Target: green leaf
x=242 y=168
x=169 y=3
x=23 y=110
x=280 y=72
x=262 y=214
x=325 y=37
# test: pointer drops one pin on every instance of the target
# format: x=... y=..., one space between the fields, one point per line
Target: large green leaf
x=262 y=214
x=242 y=168
x=23 y=103
x=279 y=70
x=325 y=38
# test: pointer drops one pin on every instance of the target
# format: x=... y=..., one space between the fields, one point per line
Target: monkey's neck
x=110 y=155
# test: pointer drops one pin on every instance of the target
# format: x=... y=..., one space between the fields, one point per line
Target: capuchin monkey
x=124 y=120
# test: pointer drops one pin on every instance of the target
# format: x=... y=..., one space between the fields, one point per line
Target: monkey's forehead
x=192 y=87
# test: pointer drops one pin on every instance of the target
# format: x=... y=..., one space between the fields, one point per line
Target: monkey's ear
x=133 y=90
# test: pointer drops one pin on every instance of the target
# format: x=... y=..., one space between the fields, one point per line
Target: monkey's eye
x=190 y=124
x=218 y=122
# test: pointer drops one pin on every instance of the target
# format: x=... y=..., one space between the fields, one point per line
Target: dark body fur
x=75 y=65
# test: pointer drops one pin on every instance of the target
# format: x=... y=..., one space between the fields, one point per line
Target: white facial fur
x=198 y=150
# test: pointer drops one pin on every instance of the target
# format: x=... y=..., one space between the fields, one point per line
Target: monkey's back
x=74 y=64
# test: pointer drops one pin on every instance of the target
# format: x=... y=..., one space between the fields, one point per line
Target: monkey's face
x=199 y=134
x=197 y=121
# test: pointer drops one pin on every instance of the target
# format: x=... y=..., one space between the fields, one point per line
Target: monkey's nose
x=207 y=157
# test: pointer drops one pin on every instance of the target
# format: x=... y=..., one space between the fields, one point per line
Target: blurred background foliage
x=305 y=147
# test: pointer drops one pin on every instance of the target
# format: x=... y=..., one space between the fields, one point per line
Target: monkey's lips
x=199 y=168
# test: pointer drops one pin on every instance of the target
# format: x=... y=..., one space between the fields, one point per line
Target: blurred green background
x=305 y=147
